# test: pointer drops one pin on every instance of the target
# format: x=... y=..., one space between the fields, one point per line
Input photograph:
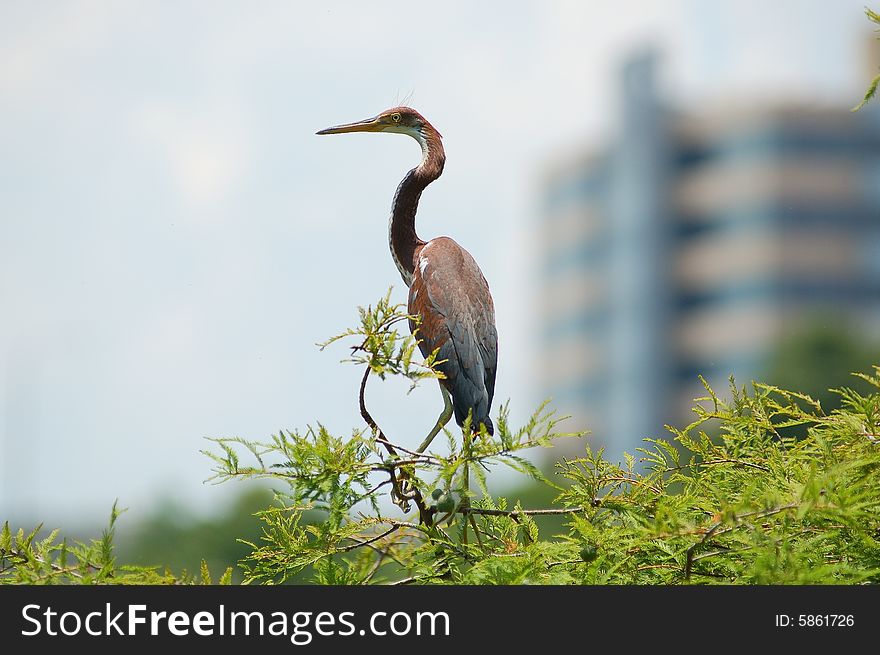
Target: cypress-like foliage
x=732 y=498
x=872 y=87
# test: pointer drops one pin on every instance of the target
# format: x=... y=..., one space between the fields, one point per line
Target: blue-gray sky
x=174 y=238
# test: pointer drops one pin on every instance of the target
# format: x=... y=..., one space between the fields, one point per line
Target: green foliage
x=30 y=558
x=752 y=505
x=342 y=478
x=383 y=348
x=766 y=487
x=872 y=88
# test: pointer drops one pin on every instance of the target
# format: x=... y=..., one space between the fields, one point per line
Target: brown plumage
x=447 y=289
x=451 y=296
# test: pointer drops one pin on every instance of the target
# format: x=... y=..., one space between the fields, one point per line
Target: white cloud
x=207 y=152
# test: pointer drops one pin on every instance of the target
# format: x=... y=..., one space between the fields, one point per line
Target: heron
x=448 y=294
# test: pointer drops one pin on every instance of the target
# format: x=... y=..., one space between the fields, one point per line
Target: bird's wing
x=452 y=298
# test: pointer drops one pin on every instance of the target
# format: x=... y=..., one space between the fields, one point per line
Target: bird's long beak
x=368 y=125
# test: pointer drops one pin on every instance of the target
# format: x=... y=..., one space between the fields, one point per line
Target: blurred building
x=692 y=243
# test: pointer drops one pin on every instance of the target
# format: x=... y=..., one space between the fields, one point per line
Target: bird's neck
x=402 y=235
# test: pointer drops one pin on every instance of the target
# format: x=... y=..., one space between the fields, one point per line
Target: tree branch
x=425 y=513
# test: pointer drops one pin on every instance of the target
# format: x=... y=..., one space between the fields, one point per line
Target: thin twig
x=622 y=479
x=712 y=462
x=365 y=542
x=513 y=513
x=647 y=567
x=396 y=463
x=408 y=524
x=418 y=456
x=370 y=492
x=408 y=580
x=417 y=578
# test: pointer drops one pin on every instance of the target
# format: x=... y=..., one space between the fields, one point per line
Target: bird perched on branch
x=447 y=289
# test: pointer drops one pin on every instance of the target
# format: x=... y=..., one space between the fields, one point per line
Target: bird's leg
x=442 y=420
x=405 y=486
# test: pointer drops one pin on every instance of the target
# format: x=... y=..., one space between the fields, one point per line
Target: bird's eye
x=395 y=117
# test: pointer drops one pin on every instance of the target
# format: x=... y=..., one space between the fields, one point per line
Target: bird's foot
x=403 y=494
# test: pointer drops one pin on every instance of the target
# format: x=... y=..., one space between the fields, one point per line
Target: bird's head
x=400 y=120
